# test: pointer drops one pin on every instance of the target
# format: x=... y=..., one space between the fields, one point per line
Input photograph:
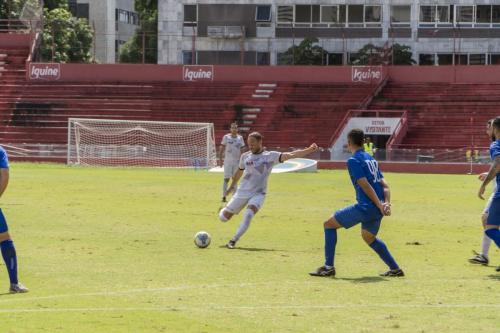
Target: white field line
x=247 y=308
x=22 y=298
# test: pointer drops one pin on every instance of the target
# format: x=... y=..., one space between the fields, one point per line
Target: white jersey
x=257 y=170
x=233 y=147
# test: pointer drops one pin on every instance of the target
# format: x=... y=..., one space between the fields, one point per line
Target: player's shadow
x=5 y=294
x=364 y=279
x=494 y=277
x=250 y=249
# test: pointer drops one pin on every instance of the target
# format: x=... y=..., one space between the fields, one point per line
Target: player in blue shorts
x=373 y=202
x=6 y=244
x=493 y=220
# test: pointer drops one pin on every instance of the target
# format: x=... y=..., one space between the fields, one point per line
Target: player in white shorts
x=255 y=167
x=482 y=257
x=231 y=148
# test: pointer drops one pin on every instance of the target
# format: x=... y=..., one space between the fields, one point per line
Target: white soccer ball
x=202 y=239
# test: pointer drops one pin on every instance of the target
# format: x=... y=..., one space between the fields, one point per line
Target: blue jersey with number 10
x=362 y=165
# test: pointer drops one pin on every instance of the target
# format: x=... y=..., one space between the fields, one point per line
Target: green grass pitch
x=111 y=250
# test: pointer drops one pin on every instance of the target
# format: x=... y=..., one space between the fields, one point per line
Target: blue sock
x=10 y=258
x=494 y=234
x=330 y=242
x=384 y=254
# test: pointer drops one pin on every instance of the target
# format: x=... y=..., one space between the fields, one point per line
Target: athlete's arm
x=494 y=170
x=222 y=149
x=387 y=191
x=236 y=177
x=370 y=192
x=299 y=153
x=4 y=180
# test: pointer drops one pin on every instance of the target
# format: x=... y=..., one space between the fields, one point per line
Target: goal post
x=130 y=143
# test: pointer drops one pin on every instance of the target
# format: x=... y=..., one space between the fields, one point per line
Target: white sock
x=485 y=245
x=245 y=223
x=224 y=187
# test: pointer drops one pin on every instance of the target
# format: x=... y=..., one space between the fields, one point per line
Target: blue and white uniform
x=362 y=165
x=4 y=164
x=494 y=209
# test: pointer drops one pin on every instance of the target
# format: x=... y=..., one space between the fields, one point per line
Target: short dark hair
x=496 y=123
x=356 y=137
x=256 y=135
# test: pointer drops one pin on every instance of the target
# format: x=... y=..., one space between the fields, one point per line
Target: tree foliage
x=65 y=38
x=145 y=38
x=395 y=54
x=306 y=53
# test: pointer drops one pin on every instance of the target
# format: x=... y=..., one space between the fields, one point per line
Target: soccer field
x=111 y=250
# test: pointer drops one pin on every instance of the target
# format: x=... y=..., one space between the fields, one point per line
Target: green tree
x=396 y=54
x=402 y=55
x=306 y=53
x=10 y=9
x=65 y=38
x=145 y=37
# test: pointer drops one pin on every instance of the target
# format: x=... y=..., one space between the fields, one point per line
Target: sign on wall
x=197 y=73
x=45 y=71
x=367 y=74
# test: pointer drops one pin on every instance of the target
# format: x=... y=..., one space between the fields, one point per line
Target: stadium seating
x=442 y=115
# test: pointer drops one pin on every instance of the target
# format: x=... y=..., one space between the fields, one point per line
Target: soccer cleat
x=479 y=259
x=393 y=273
x=223 y=199
x=498 y=269
x=323 y=271
x=231 y=244
x=17 y=288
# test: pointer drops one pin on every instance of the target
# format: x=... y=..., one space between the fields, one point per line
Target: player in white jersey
x=255 y=166
x=482 y=257
x=231 y=148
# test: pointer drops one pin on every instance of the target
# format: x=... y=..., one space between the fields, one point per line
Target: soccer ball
x=202 y=239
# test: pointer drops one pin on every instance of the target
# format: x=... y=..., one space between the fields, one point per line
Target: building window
x=427 y=14
x=190 y=15
x=307 y=13
x=335 y=59
x=373 y=14
x=445 y=59
x=187 y=58
x=400 y=15
x=285 y=14
x=329 y=14
x=477 y=59
x=436 y=15
x=82 y=10
x=353 y=58
x=495 y=59
x=355 y=15
x=495 y=14
x=460 y=59
x=263 y=14
x=483 y=14
x=442 y=14
x=426 y=59
x=465 y=14
x=263 y=58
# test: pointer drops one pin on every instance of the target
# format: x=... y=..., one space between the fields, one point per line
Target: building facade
x=258 y=32
x=113 y=22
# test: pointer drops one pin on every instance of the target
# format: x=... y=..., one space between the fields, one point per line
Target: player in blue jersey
x=373 y=202
x=493 y=221
x=6 y=244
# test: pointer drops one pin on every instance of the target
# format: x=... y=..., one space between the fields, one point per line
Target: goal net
x=100 y=142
